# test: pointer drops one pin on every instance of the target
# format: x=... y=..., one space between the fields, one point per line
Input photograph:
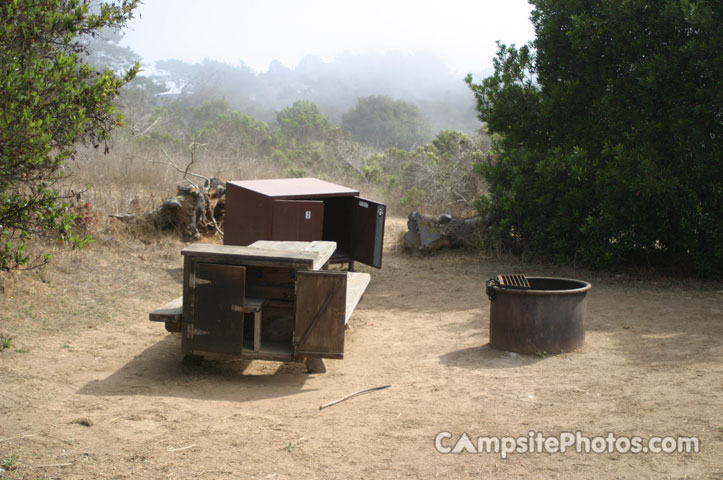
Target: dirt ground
x=91 y=389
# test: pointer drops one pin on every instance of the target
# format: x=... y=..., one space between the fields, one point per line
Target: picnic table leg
x=315 y=365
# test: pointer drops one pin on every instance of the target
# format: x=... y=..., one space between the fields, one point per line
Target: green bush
x=303 y=122
x=413 y=197
x=611 y=134
x=386 y=123
x=49 y=101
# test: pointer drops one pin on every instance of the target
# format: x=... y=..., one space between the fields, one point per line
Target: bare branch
x=171 y=163
x=192 y=148
x=461 y=198
x=213 y=220
x=350 y=165
x=148 y=128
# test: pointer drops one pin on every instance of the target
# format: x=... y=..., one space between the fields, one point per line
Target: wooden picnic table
x=271 y=300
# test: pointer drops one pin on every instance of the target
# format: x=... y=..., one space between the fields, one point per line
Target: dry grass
x=81 y=289
x=136 y=175
x=127 y=181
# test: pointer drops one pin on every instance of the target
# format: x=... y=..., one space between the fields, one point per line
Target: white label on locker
x=308 y=214
x=364 y=204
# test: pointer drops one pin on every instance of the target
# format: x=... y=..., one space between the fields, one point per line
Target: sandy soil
x=92 y=389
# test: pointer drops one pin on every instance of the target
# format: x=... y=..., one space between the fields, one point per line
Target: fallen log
x=427 y=233
x=193 y=211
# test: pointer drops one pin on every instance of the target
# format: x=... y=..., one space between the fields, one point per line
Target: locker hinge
x=194 y=281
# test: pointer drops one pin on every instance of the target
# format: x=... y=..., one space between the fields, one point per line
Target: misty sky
x=462 y=32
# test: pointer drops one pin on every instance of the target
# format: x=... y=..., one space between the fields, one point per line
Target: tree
x=138 y=98
x=104 y=51
x=612 y=134
x=438 y=176
x=49 y=100
x=239 y=134
x=383 y=122
x=303 y=122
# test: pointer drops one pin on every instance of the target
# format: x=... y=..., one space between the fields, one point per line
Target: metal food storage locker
x=305 y=209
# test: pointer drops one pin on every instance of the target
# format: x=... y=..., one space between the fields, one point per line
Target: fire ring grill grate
x=518 y=280
x=514 y=280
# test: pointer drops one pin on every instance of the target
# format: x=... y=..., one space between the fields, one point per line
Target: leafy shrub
x=386 y=123
x=50 y=101
x=6 y=342
x=303 y=122
x=611 y=134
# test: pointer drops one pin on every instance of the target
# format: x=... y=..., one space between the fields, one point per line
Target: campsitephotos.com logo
x=537 y=442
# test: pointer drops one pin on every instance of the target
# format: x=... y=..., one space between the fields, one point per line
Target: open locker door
x=218 y=300
x=320 y=314
x=367 y=231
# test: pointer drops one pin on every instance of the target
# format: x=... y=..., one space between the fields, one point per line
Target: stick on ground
x=182 y=448
x=353 y=395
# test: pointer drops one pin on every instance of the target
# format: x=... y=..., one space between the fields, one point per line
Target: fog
x=261 y=56
x=335 y=87
x=257 y=32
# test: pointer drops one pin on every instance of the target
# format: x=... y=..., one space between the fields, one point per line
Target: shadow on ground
x=486 y=357
x=161 y=371
x=176 y=274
